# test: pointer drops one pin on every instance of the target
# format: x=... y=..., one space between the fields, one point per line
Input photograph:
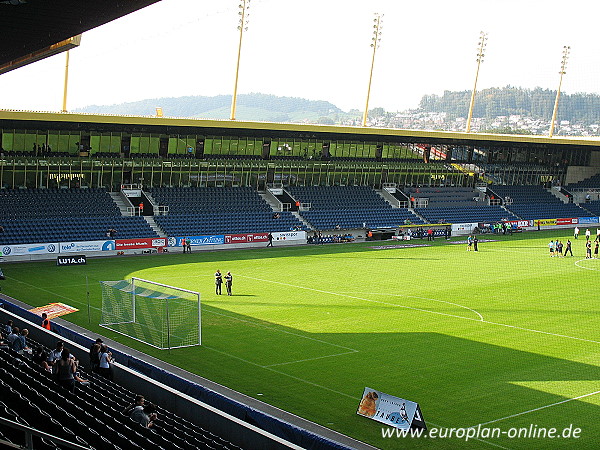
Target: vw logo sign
x=172 y=242
x=51 y=248
x=6 y=250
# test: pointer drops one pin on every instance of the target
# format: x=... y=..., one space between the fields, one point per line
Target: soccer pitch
x=506 y=337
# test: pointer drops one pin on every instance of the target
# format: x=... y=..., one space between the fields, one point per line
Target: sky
x=318 y=50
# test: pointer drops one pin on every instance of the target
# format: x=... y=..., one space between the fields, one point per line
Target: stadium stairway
x=158 y=230
x=306 y=223
x=116 y=196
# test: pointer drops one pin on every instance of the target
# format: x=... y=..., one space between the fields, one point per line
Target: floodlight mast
x=480 y=49
x=242 y=27
x=375 y=42
x=64 y=103
x=563 y=70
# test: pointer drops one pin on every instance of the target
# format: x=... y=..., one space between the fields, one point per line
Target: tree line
x=537 y=103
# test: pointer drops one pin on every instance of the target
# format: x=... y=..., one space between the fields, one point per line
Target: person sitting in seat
x=143 y=413
x=14 y=334
x=19 y=345
x=40 y=357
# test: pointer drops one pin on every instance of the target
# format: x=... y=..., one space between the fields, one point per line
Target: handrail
x=30 y=432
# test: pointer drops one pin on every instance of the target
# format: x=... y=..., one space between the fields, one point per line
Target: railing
x=160 y=210
x=30 y=432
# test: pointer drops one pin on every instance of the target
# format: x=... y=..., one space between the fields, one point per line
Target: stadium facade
x=51 y=150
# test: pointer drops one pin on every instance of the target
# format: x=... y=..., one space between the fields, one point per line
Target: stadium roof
x=162 y=125
x=31 y=29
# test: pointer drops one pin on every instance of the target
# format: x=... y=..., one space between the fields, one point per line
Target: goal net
x=157 y=314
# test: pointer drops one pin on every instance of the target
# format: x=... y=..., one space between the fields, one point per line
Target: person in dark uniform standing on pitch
x=270 y=237
x=568 y=248
x=475 y=242
x=228 y=282
x=218 y=282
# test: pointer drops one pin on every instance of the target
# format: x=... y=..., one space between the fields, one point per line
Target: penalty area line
x=362 y=298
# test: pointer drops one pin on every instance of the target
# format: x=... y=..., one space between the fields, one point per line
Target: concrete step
x=155 y=226
x=116 y=196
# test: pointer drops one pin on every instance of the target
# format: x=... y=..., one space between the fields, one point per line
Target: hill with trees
x=259 y=107
x=536 y=103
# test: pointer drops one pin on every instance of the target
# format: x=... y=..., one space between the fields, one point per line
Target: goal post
x=157 y=314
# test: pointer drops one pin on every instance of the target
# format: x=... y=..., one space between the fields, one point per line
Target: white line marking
x=343 y=394
x=426 y=310
x=310 y=359
x=359 y=298
x=583 y=267
x=53 y=293
x=536 y=409
x=429 y=299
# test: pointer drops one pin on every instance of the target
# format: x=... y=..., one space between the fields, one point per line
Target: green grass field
x=505 y=337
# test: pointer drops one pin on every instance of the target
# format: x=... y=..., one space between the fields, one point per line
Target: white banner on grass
x=393 y=411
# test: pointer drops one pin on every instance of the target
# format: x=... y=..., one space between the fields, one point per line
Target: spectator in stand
x=140 y=412
x=66 y=367
x=56 y=354
x=40 y=357
x=144 y=415
x=95 y=355
x=138 y=401
x=19 y=345
x=106 y=359
x=13 y=336
x=8 y=327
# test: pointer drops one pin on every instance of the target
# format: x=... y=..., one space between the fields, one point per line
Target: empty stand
x=64 y=215
x=350 y=207
x=535 y=202
x=206 y=210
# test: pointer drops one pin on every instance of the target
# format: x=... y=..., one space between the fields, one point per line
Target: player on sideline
x=469 y=243
x=218 y=282
x=228 y=282
x=551 y=247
